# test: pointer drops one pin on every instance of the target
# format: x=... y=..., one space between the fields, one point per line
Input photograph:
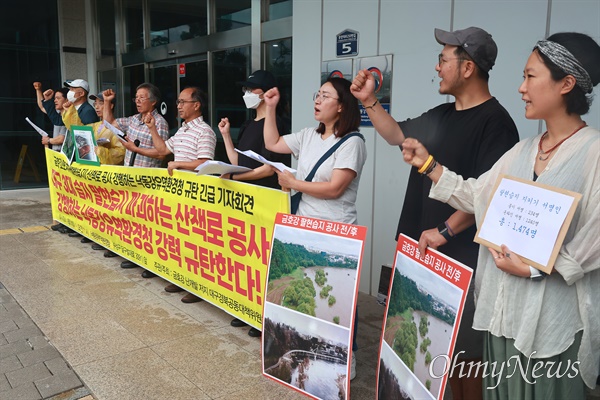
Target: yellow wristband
x=426 y=165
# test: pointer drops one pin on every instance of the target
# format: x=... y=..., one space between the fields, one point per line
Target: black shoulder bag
x=295 y=200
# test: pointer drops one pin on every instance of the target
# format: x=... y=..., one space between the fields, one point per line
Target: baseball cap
x=260 y=79
x=475 y=41
x=98 y=96
x=78 y=83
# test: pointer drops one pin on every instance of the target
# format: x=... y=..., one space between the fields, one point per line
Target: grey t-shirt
x=58 y=130
x=308 y=147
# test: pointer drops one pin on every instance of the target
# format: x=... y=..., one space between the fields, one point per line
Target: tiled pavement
x=30 y=366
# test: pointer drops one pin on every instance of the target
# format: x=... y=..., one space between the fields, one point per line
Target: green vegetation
x=406 y=295
x=325 y=291
x=427 y=359
x=287 y=257
x=423 y=326
x=405 y=343
x=300 y=296
x=425 y=344
x=428 y=384
x=320 y=278
x=336 y=320
x=331 y=300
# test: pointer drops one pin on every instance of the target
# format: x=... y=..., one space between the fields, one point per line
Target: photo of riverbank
x=305 y=353
x=314 y=273
x=420 y=323
x=396 y=381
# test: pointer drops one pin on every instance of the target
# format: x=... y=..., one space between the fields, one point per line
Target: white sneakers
x=353 y=368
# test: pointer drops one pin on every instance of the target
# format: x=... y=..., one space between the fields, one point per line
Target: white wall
x=404 y=28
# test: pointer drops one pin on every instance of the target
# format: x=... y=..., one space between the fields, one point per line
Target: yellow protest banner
x=208 y=235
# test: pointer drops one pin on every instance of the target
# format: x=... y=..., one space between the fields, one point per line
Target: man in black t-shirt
x=251 y=137
x=468 y=136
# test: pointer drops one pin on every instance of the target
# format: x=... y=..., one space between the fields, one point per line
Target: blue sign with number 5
x=347 y=43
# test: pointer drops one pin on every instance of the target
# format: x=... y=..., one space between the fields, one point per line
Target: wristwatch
x=443 y=230
x=536 y=274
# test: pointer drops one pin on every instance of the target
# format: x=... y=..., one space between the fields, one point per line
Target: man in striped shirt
x=147 y=98
x=193 y=144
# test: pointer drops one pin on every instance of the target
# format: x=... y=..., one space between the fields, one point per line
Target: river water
x=343 y=281
x=320 y=378
x=440 y=334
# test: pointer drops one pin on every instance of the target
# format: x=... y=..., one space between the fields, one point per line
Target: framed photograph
x=84 y=145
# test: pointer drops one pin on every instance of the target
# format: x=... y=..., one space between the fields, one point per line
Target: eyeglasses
x=323 y=96
x=441 y=59
x=178 y=102
x=140 y=99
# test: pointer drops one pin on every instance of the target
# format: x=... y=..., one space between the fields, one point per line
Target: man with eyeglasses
x=193 y=144
x=147 y=97
x=468 y=136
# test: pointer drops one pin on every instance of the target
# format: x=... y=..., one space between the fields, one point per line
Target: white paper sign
x=114 y=130
x=526 y=218
x=255 y=156
x=40 y=131
x=211 y=167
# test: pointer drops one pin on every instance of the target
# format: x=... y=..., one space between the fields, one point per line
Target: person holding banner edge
x=250 y=137
x=555 y=319
x=193 y=144
x=469 y=135
x=51 y=102
x=331 y=193
x=147 y=97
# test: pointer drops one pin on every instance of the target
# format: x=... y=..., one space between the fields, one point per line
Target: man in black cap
x=250 y=137
x=468 y=136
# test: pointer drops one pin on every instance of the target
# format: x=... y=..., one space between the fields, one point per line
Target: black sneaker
x=253 y=332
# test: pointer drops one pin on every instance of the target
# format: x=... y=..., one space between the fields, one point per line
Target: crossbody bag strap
x=329 y=152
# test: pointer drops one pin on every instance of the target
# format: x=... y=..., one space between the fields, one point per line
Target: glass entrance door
x=165 y=78
x=170 y=80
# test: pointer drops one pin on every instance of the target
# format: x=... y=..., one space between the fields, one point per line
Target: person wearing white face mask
x=251 y=137
x=78 y=96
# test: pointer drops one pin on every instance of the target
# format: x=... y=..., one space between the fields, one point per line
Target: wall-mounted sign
x=336 y=68
x=347 y=43
x=182 y=70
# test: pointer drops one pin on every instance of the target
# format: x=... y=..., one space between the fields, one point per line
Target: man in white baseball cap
x=78 y=94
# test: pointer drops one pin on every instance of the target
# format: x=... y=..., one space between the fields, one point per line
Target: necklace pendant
x=543 y=159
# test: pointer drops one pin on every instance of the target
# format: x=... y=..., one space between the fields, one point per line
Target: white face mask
x=71 y=96
x=252 y=100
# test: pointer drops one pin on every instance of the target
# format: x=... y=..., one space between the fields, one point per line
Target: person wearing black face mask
x=251 y=137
